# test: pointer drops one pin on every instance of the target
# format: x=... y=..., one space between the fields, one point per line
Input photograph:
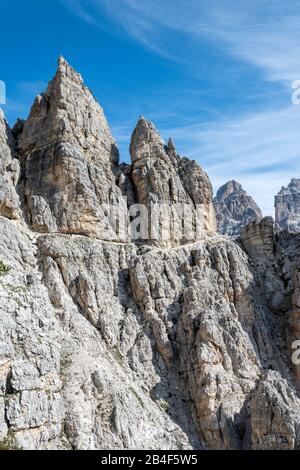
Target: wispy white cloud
x=79 y=9
x=263 y=33
x=270 y=43
x=34 y=87
x=21 y=99
x=260 y=150
x=15 y=106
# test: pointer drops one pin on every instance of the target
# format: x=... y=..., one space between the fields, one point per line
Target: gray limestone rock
x=161 y=176
x=29 y=347
x=9 y=173
x=69 y=155
x=234 y=209
x=275 y=415
x=287 y=207
x=110 y=343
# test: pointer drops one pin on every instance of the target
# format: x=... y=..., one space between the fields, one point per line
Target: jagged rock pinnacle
x=67 y=144
x=122 y=345
x=62 y=61
x=287 y=207
x=171 y=144
x=234 y=209
x=67 y=110
x=146 y=141
x=171 y=149
x=66 y=72
x=161 y=176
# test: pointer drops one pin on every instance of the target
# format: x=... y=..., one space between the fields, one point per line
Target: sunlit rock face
x=109 y=342
x=161 y=176
x=9 y=173
x=67 y=111
x=69 y=155
x=287 y=207
x=71 y=170
x=234 y=209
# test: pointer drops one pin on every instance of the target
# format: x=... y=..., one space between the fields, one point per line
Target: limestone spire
x=68 y=111
x=146 y=141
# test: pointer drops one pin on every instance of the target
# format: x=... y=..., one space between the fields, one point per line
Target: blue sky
x=215 y=75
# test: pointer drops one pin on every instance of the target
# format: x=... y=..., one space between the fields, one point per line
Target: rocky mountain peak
x=66 y=72
x=68 y=111
x=161 y=176
x=69 y=155
x=230 y=187
x=71 y=179
x=112 y=343
x=287 y=207
x=234 y=209
x=295 y=184
x=146 y=141
x=292 y=187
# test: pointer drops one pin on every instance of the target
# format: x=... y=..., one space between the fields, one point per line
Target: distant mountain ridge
x=287 y=207
x=234 y=209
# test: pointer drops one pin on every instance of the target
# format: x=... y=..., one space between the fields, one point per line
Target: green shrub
x=4 y=269
x=9 y=442
x=165 y=406
x=118 y=355
x=137 y=397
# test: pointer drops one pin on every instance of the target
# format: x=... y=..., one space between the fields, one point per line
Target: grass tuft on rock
x=4 y=269
x=9 y=442
x=118 y=355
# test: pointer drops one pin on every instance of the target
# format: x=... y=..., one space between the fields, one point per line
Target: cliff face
x=287 y=207
x=161 y=176
x=68 y=154
x=117 y=343
x=9 y=173
x=234 y=209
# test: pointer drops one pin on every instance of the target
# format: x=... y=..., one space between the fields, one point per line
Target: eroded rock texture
x=30 y=384
x=130 y=345
x=69 y=155
x=9 y=172
x=234 y=209
x=161 y=176
x=287 y=207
